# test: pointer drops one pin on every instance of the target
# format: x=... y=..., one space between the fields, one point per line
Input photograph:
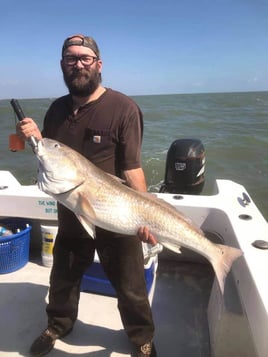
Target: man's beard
x=82 y=82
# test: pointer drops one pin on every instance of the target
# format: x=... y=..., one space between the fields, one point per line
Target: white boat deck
x=179 y=307
x=238 y=322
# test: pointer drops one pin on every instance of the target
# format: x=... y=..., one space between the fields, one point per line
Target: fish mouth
x=39 y=149
x=33 y=142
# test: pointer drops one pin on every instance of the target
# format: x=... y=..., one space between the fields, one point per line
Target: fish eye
x=56 y=145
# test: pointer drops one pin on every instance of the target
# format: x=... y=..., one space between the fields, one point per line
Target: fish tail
x=223 y=262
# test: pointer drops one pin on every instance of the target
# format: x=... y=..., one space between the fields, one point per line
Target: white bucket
x=48 y=239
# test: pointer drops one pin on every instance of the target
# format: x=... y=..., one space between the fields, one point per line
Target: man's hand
x=26 y=128
x=145 y=236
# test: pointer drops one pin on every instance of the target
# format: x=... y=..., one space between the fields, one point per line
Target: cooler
x=96 y=281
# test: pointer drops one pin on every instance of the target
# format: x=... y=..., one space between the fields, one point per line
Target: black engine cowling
x=185 y=167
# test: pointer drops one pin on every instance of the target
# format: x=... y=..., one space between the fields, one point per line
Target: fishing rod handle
x=17 y=109
x=19 y=112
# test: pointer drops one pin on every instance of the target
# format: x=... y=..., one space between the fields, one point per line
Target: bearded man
x=106 y=127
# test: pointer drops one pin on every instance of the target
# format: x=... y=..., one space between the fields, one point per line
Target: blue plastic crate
x=96 y=281
x=14 y=249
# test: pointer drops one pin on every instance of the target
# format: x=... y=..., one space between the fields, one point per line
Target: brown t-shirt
x=107 y=131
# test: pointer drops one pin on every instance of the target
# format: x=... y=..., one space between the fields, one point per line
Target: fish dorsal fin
x=162 y=202
x=118 y=179
x=173 y=247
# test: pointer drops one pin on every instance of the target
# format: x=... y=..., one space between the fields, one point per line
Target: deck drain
x=261 y=244
x=178 y=197
x=245 y=217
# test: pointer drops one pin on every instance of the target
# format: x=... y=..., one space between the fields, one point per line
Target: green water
x=232 y=126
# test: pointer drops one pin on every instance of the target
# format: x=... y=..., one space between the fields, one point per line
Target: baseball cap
x=81 y=40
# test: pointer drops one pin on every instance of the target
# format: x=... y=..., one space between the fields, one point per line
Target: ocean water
x=233 y=128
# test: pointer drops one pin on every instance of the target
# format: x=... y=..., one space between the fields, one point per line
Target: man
x=106 y=127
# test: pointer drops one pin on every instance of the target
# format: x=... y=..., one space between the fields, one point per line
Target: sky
x=147 y=46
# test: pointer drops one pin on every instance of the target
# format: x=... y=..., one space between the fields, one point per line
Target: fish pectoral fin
x=89 y=227
x=89 y=216
x=173 y=247
x=86 y=207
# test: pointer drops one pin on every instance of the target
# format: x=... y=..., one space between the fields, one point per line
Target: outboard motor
x=185 y=167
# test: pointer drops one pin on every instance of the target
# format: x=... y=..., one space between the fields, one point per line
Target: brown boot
x=44 y=343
